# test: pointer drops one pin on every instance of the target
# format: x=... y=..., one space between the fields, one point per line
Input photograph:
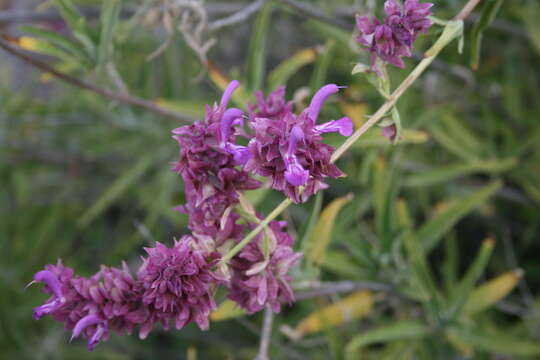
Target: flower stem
x=278 y=210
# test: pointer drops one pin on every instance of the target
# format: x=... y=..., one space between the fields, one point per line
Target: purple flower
x=390 y=132
x=260 y=271
x=178 y=284
x=393 y=38
x=109 y=300
x=208 y=163
x=288 y=148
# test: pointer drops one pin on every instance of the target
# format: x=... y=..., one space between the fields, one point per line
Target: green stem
x=274 y=214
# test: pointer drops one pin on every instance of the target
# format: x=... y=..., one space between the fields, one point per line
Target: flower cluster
x=176 y=285
x=393 y=38
x=260 y=271
x=288 y=148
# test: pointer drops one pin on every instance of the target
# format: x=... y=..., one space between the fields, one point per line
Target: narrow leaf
x=488 y=14
x=463 y=289
x=322 y=233
x=432 y=231
x=401 y=330
x=256 y=66
x=352 y=307
x=492 y=292
x=110 y=13
x=290 y=66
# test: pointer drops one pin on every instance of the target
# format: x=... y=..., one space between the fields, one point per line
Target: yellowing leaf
x=318 y=243
x=28 y=43
x=492 y=292
x=352 y=307
x=356 y=112
x=227 y=310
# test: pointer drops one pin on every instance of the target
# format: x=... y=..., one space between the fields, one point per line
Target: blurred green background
x=448 y=218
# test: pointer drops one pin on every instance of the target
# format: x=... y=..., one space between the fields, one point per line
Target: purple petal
x=233 y=85
x=343 y=126
x=319 y=98
x=51 y=280
x=227 y=121
x=96 y=338
x=391 y=7
x=241 y=153
x=296 y=135
x=295 y=174
x=85 y=322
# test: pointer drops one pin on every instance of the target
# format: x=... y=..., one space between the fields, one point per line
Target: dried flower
x=288 y=148
x=177 y=284
x=393 y=38
x=260 y=271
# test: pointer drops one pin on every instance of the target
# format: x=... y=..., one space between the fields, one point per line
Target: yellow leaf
x=356 y=112
x=227 y=310
x=318 y=243
x=492 y=292
x=352 y=307
x=28 y=43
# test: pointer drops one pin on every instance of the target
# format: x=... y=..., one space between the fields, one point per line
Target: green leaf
x=322 y=234
x=432 y=231
x=117 y=188
x=489 y=12
x=397 y=122
x=465 y=286
x=54 y=38
x=290 y=66
x=401 y=330
x=256 y=65
x=310 y=224
x=110 y=13
x=451 y=172
x=495 y=342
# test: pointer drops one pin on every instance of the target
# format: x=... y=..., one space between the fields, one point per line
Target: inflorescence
x=176 y=285
x=393 y=38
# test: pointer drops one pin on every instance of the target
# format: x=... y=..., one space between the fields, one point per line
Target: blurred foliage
x=448 y=218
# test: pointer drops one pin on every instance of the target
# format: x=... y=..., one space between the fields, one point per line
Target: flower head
x=208 y=162
x=109 y=300
x=394 y=37
x=260 y=271
x=177 y=283
x=288 y=148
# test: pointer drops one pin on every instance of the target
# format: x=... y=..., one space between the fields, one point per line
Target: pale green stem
x=274 y=214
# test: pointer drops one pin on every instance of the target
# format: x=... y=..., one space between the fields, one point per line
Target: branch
x=237 y=17
x=119 y=97
x=309 y=11
x=266 y=333
x=329 y=288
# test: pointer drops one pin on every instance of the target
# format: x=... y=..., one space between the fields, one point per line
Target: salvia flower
x=260 y=271
x=178 y=283
x=288 y=148
x=208 y=162
x=92 y=307
x=393 y=38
